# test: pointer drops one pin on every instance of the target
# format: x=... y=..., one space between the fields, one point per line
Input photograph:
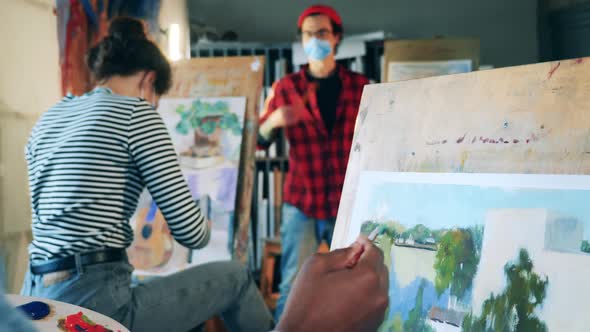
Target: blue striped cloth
x=89 y=158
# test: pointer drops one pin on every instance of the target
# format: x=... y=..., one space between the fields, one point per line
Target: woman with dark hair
x=89 y=158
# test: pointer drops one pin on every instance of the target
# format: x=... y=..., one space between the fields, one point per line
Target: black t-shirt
x=328 y=92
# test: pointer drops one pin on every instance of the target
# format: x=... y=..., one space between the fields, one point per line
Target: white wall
x=507 y=28
x=29 y=84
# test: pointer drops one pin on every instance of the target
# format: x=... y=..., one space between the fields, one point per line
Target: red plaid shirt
x=317 y=158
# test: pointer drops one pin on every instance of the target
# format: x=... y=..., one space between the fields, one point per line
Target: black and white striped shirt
x=89 y=158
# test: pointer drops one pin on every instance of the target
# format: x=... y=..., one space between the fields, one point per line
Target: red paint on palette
x=79 y=322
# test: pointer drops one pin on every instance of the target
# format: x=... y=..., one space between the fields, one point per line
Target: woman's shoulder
x=92 y=105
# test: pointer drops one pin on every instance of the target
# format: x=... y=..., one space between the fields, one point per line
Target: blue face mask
x=317 y=49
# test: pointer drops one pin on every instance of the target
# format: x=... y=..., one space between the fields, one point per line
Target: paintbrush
x=372 y=236
x=376 y=232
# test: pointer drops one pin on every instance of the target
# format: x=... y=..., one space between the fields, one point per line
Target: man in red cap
x=317 y=107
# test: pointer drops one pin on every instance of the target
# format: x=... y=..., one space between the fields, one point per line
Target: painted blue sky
x=435 y=205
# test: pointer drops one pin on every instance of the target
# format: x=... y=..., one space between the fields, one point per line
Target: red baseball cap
x=322 y=10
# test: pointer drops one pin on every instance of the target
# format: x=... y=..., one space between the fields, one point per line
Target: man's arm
x=266 y=129
x=284 y=107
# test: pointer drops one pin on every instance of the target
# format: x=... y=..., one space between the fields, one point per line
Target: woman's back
x=89 y=158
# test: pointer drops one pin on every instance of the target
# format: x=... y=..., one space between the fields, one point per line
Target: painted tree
x=389 y=228
x=585 y=246
x=477 y=234
x=419 y=233
x=455 y=263
x=385 y=242
x=513 y=310
x=368 y=226
x=416 y=318
x=397 y=324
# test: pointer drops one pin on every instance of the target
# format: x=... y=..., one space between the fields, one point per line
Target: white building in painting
x=553 y=243
x=445 y=320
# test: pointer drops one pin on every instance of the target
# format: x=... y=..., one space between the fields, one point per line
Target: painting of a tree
x=419 y=232
x=397 y=324
x=513 y=310
x=456 y=262
x=477 y=234
x=199 y=114
x=585 y=246
x=384 y=241
x=416 y=319
x=368 y=226
x=391 y=228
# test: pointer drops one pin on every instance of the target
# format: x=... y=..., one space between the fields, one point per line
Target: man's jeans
x=300 y=238
x=179 y=302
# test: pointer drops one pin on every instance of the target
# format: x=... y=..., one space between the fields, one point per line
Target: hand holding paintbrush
x=316 y=302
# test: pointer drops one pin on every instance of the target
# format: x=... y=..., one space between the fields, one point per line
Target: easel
x=527 y=119
x=532 y=119
x=227 y=77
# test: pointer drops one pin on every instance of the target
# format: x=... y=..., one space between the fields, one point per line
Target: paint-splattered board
x=229 y=77
x=526 y=119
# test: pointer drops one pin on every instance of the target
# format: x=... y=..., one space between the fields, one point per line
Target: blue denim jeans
x=300 y=238
x=179 y=302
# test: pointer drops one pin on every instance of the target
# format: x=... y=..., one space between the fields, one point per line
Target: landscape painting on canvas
x=207 y=136
x=480 y=252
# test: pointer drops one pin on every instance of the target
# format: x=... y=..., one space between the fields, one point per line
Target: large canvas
x=480 y=252
x=207 y=136
x=229 y=77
